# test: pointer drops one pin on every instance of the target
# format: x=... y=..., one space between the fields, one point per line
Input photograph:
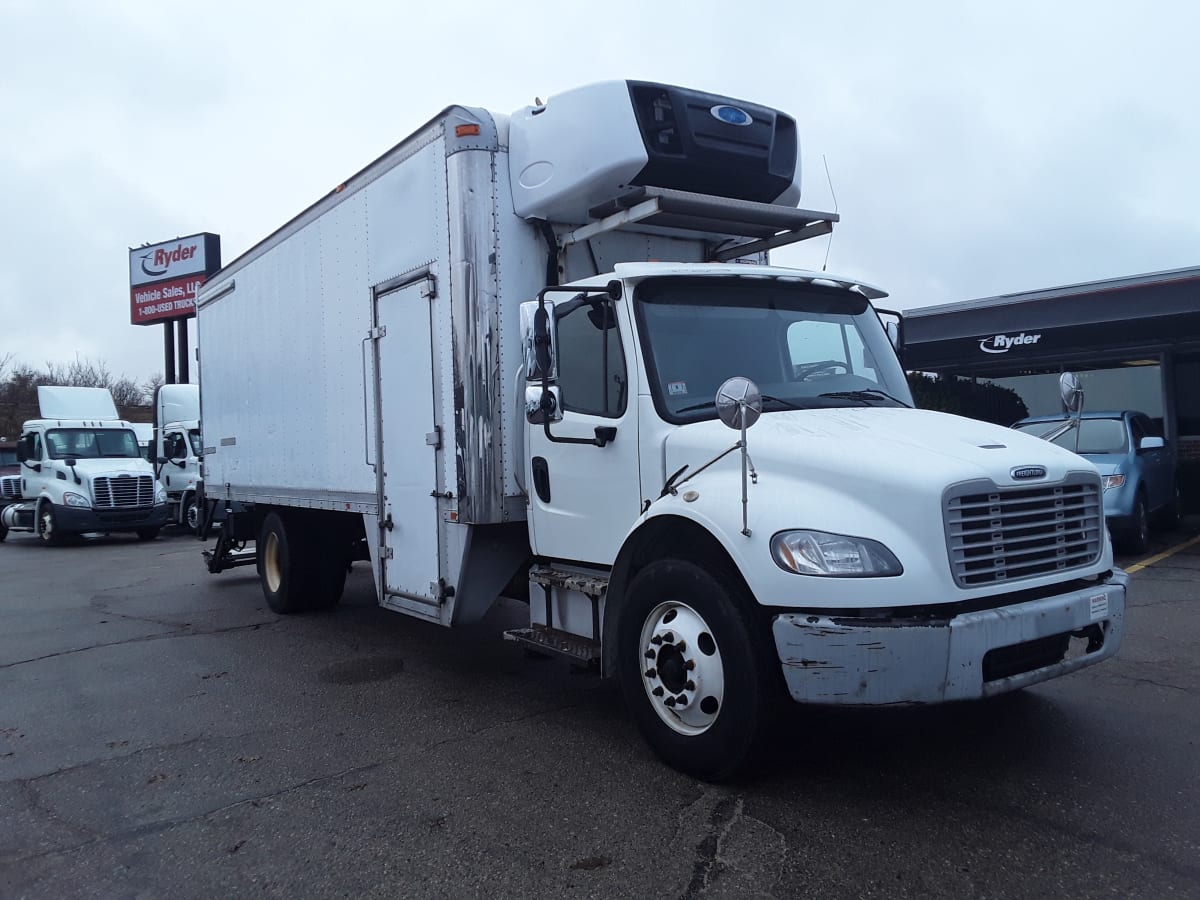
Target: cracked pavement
x=162 y=733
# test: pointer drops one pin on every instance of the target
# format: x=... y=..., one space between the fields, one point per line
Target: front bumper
x=79 y=520
x=842 y=661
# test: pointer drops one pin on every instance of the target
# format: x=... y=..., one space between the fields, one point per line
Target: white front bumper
x=843 y=661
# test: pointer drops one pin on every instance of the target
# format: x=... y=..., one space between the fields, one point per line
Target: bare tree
x=151 y=385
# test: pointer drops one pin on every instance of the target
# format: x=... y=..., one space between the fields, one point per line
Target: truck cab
x=81 y=471
x=178 y=449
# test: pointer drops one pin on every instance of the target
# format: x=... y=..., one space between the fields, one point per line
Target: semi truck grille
x=124 y=491
x=1005 y=534
x=10 y=487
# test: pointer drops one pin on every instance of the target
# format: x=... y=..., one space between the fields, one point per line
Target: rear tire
x=1171 y=513
x=1137 y=537
x=686 y=633
x=3 y=532
x=285 y=566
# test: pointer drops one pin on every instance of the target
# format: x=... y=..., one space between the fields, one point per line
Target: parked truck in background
x=81 y=471
x=502 y=359
x=177 y=450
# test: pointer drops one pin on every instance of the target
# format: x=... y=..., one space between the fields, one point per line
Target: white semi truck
x=81 y=471
x=177 y=450
x=501 y=360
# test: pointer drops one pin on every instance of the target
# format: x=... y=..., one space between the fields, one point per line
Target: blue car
x=1135 y=462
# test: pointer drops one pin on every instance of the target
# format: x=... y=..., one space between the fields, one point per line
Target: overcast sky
x=974 y=148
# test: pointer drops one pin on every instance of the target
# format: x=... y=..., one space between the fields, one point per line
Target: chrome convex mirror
x=739 y=404
x=1071 y=392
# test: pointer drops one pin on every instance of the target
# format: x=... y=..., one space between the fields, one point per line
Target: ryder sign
x=164 y=278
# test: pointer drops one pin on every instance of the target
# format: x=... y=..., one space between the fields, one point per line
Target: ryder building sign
x=164 y=278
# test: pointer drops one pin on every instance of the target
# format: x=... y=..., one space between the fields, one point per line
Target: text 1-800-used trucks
x=495 y=357
x=81 y=471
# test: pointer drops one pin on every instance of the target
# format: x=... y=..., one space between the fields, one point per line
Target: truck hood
x=917 y=451
x=91 y=468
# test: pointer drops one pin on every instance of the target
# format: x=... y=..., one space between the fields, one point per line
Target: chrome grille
x=123 y=491
x=10 y=487
x=1005 y=534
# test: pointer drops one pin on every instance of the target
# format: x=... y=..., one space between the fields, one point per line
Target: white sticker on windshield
x=676 y=388
x=1099 y=604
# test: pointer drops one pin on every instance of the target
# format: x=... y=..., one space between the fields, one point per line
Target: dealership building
x=1134 y=342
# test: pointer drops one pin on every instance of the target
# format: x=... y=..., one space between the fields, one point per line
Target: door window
x=591 y=364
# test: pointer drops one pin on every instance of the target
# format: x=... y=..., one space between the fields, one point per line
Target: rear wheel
x=1173 y=511
x=1137 y=537
x=297 y=571
x=3 y=532
x=694 y=668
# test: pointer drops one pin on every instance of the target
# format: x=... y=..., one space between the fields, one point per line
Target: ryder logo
x=159 y=261
x=1002 y=343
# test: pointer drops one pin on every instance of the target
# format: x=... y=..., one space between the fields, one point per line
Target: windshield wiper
x=865 y=396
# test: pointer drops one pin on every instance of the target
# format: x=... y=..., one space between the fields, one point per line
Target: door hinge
x=376 y=333
x=434 y=438
x=442 y=495
x=385 y=552
x=387 y=523
x=429 y=288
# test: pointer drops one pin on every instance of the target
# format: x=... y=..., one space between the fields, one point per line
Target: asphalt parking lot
x=162 y=733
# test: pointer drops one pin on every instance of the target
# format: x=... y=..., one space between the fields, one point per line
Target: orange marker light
x=466 y=130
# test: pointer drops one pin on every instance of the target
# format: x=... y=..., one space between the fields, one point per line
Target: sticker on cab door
x=1099 y=605
x=676 y=388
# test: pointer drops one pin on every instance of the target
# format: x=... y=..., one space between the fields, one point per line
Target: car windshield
x=1094 y=435
x=90 y=443
x=806 y=346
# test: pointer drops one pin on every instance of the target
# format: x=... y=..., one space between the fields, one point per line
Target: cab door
x=583 y=476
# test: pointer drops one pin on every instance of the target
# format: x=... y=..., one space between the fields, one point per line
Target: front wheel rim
x=681 y=668
x=192 y=517
x=47 y=518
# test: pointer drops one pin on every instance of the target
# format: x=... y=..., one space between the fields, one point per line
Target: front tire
x=694 y=666
x=191 y=515
x=47 y=525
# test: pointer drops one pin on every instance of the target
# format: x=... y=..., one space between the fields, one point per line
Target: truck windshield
x=806 y=346
x=91 y=443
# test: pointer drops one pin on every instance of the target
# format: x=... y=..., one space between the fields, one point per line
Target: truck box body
x=487 y=363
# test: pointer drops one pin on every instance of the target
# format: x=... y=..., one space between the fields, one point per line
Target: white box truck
x=176 y=450
x=81 y=471
x=501 y=360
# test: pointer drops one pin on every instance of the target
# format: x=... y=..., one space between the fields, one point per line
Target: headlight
x=820 y=553
x=160 y=494
x=1113 y=481
x=72 y=499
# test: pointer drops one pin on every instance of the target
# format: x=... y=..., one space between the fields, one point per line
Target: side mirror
x=539 y=358
x=22 y=450
x=1071 y=392
x=71 y=462
x=1152 y=443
